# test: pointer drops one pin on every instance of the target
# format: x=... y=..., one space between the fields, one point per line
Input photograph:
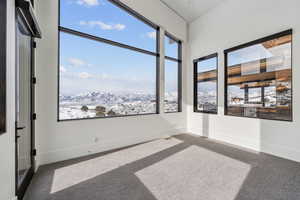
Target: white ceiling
x=191 y=9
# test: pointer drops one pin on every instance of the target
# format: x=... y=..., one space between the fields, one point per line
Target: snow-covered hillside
x=105 y=104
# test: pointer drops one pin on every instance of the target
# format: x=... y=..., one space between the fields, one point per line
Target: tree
x=100 y=109
x=111 y=113
x=84 y=108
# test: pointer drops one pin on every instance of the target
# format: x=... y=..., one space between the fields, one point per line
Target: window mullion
x=162 y=70
x=103 y=40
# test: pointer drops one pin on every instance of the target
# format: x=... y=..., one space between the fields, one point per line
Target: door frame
x=20 y=191
x=3 y=64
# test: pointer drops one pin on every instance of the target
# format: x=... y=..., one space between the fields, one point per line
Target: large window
x=206 y=84
x=108 y=61
x=258 y=77
x=172 y=100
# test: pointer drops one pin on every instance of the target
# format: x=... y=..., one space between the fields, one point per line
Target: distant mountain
x=110 y=99
x=105 y=98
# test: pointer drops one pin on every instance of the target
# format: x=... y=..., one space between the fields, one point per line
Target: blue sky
x=86 y=65
x=207 y=65
x=208 y=86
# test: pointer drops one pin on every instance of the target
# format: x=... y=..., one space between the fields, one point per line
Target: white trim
x=89 y=149
x=242 y=142
x=281 y=151
x=272 y=149
x=15 y=198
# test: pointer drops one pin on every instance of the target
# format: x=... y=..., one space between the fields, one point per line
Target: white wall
x=232 y=23
x=7 y=140
x=63 y=140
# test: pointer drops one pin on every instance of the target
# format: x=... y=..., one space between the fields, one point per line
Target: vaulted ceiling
x=191 y=9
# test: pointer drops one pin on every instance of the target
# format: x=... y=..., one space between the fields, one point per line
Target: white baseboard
x=88 y=149
x=272 y=149
x=242 y=142
x=15 y=198
x=281 y=151
x=248 y=144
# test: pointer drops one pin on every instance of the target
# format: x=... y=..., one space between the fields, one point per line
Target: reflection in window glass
x=259 y=80
x=171 y=47
x=254 y=96
x=94 y=84
x=104 y=19
x=206 y=84
x=171 y=86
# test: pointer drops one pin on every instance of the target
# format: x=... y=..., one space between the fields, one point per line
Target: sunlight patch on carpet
x=74 y=174
x=195 y=173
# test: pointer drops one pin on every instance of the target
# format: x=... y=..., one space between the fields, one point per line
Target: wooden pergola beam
x=207 y=76
x=280 y=75
x=278 y=41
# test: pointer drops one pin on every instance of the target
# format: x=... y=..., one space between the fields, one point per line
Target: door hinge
x=34 y=44
x=34 y=116
x=33 y=152
x=33 y=80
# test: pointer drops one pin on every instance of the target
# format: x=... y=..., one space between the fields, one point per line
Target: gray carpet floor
x=183 y=167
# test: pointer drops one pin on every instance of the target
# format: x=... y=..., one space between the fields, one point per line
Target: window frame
x=195 y=63
x=179 y=72
x=72 y=32
x=248 y=44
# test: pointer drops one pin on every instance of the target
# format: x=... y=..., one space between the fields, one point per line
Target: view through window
x=172 y=102
x=205 y=84
x=108 y=61
x=259 y=78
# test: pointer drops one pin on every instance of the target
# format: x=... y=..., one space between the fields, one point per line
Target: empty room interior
x=149 y=100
